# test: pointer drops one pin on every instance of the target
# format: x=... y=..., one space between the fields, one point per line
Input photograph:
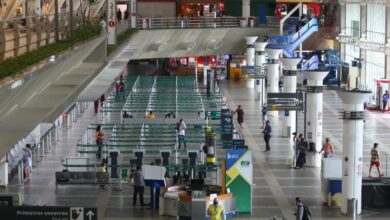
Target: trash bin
x=244 y=22
x=352 y=207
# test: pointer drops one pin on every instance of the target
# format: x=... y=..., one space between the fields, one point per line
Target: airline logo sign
x=111 y=22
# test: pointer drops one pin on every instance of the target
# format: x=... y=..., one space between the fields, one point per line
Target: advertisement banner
x=111 y=22
x=239 y=177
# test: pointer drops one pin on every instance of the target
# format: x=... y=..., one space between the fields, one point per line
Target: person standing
x=99 y=141
x=240 y=115
x=102 y=100
x=96 y=105
x=375 y=160
x=264 y=115
x=122 y=89
x=385 y=100
x=119 y=15
x=267 y=135
x=139 y=186
x=327 y=148
x=302 y=146
x=215 y=211
x=103 y=24
x=27 y=161
x=182 y=127
x=117 y=90
x=102 y=169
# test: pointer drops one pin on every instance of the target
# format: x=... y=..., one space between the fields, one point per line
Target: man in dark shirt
x=139 y=186
x=267 y=135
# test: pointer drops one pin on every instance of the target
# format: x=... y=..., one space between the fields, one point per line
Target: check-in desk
x=180 y=201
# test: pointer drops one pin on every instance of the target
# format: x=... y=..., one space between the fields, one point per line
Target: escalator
x=290 y=42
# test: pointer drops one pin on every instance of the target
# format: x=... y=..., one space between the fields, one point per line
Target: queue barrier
x=170 y=168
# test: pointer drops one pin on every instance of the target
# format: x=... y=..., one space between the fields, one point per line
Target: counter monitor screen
x=197 y=184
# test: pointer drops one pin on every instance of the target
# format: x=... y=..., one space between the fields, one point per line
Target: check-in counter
x=180 y=201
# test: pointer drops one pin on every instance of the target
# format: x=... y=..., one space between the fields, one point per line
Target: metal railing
x=203 y=22
x=20 y=35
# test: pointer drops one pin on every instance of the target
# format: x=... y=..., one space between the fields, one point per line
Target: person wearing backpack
x=303 y=212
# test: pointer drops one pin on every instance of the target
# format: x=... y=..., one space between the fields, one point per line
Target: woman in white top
x=182 y=127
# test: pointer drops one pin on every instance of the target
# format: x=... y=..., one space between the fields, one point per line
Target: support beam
x=314 y=114
x=273 y=74
x=352 y=167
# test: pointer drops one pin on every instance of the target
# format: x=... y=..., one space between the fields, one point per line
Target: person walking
x=385 y=100
x=139 y=186
x=303 y=213
x=375 y=160
x=182 y=127
x=99 y=141
x=27 y=161
x=240 y=115
x=267 y=135
x=215 y=211
x=327 y=148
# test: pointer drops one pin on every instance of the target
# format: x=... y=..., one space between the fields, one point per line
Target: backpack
x=306 y=213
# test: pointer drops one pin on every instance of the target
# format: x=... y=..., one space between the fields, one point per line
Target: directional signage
x=258 y=72
x=284 y=101
x=48 y=213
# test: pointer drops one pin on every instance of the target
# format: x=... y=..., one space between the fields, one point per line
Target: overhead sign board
x=48 y=213
x=285 y=101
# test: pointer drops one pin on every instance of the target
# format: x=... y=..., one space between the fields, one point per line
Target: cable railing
x=203 y=22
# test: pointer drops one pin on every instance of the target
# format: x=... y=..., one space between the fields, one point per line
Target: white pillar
x=314 y=114
x=273 y=73
x=260 y=61
x=133 y=13
x=290 y=86
x=250 y=50
x=250 y=58
x=246 y=8
x=352 y=167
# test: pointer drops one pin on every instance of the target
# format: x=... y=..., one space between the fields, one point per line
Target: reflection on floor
x=276 y=184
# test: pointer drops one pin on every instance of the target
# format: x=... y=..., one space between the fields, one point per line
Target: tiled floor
x=275 y=184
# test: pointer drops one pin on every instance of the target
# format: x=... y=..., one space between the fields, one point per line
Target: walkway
x=276 y=185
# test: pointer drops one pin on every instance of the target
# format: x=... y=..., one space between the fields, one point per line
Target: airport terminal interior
x=194 y=109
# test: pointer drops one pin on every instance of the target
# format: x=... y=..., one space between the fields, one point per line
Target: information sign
x=284 y=101
x=48 y=213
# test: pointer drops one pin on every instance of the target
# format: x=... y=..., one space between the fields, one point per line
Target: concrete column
x=250 y=50
x=314 y=114
x=363 y=34
x=246 y=8
x=387 y=66
x=290 y=86
x=133 y=13
x=273 y=74
x=343 y=9
x=352 y=167
x=260 y=61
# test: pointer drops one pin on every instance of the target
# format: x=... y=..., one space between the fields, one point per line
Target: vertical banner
x=239 y=177
x=133 y=13
x=111 y=21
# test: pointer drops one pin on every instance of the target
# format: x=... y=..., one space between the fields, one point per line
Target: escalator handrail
x=291 y=39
